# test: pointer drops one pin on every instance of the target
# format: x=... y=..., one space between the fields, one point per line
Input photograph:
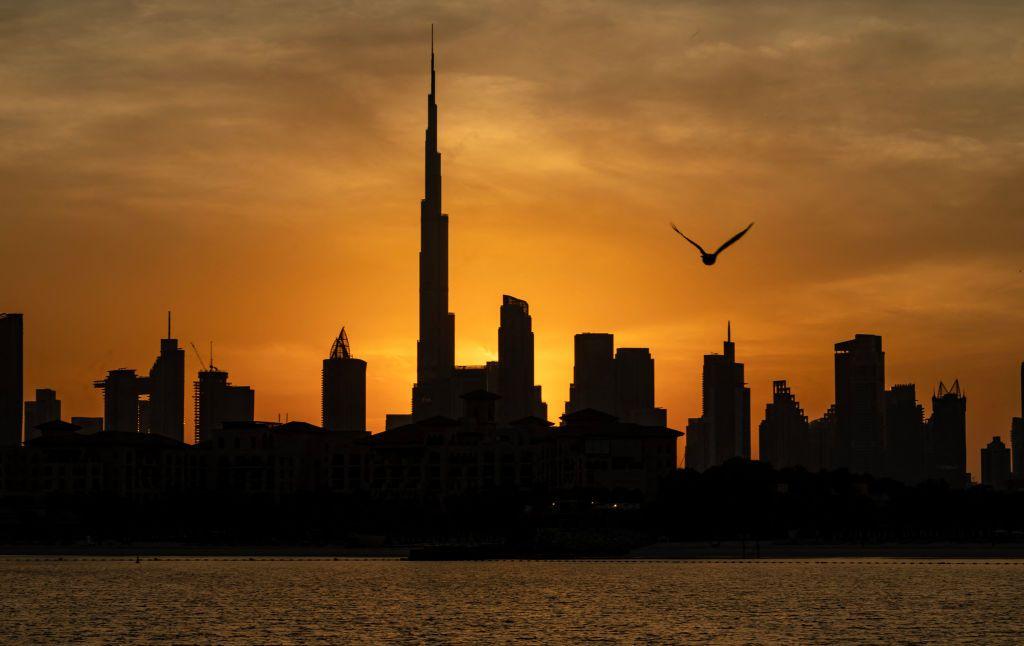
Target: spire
x=340 y=348
x=432 y=74
x=728 y=349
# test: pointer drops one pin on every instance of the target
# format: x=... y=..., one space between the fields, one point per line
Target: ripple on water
x=331 y=601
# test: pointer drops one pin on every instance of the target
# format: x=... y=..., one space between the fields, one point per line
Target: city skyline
x=287 y=380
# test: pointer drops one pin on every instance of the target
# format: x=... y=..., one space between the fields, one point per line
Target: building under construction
x=216 y=401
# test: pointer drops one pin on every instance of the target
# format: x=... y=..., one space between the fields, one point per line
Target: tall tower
x=435 y=350
x=947 y=436
x=1017 y=434
x=121 y=390
x=167 y=389
x=343 y=389
x=725 y=424
x=860 y=404
x=593 y=373
x=217 y=401
x=11 y=378
x=520 y=397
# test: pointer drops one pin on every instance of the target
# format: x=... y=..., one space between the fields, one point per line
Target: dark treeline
x=740 y=500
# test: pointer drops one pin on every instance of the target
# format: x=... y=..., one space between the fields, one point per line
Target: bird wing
x=676 y=229
x=733 y=239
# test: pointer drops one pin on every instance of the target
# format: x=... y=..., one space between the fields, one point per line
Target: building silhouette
x=520 y=397
x=860 y=404
x=593 y=374
x=11 y=378
x=724 y=429
x=150 y=404
x=617 y=382
x=904 y=434
x=218 y=402
x=634 y=388
x=434 y=392
x=784 y=434
x=343 y=388
x=1017 y=435
x=821 y=439
x=166 y=390
x=995 y=464
x=121 y=389
x=946 y=443
x=45 y=408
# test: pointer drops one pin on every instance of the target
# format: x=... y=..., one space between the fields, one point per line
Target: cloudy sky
x=256 y=167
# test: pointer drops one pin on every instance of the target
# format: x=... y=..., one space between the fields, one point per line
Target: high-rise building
x=784 y=434
x=12 y=389
x=45 y=408
x=150 y=404
x=946 y=437
x=904 y=434
x=121 y=390
x=634 y=388
x=860 y=404
x=217 y=401
x=696 y=452
x=725 y=423
x=995 y=464
x=822 y=432
x=520 y=397
x=1017 y=434
x=593 y=382
x=343 y=388
x=166 y=408
x=618 y=382
x=435 y=351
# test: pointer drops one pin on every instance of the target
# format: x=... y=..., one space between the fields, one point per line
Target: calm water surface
x=272 y=601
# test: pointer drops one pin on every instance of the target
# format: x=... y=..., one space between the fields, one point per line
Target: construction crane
x=202 y=362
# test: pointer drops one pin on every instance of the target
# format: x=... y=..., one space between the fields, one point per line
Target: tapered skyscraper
x=435 y=350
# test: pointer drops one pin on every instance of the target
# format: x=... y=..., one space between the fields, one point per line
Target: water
x=298 y=601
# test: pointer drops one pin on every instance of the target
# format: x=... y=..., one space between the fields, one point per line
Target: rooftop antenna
x=211 y=355
x=168 y=324
x=728 y=331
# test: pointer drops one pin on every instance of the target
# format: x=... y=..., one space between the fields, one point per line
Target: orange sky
x=257 y=167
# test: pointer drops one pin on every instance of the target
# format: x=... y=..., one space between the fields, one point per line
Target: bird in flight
x=710 y=258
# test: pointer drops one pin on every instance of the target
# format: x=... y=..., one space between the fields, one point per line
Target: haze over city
x=258 y=172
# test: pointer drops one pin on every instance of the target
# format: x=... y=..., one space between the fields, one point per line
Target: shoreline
x=657 y=552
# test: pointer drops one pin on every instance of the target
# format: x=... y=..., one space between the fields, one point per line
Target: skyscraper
x=634 y=388
x=45 y=408
x=995 y=464
x=784 y=434
x=166 y=386
x=725 y=424
x=1017 y=434
x=860 y=404
x=593 y=374
x=217 y=401
x=904 y=434
x=11 y=378
x=343 y=388
x=520 y=397
x=946 y=437
x=121 y=390
x=435 y=351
